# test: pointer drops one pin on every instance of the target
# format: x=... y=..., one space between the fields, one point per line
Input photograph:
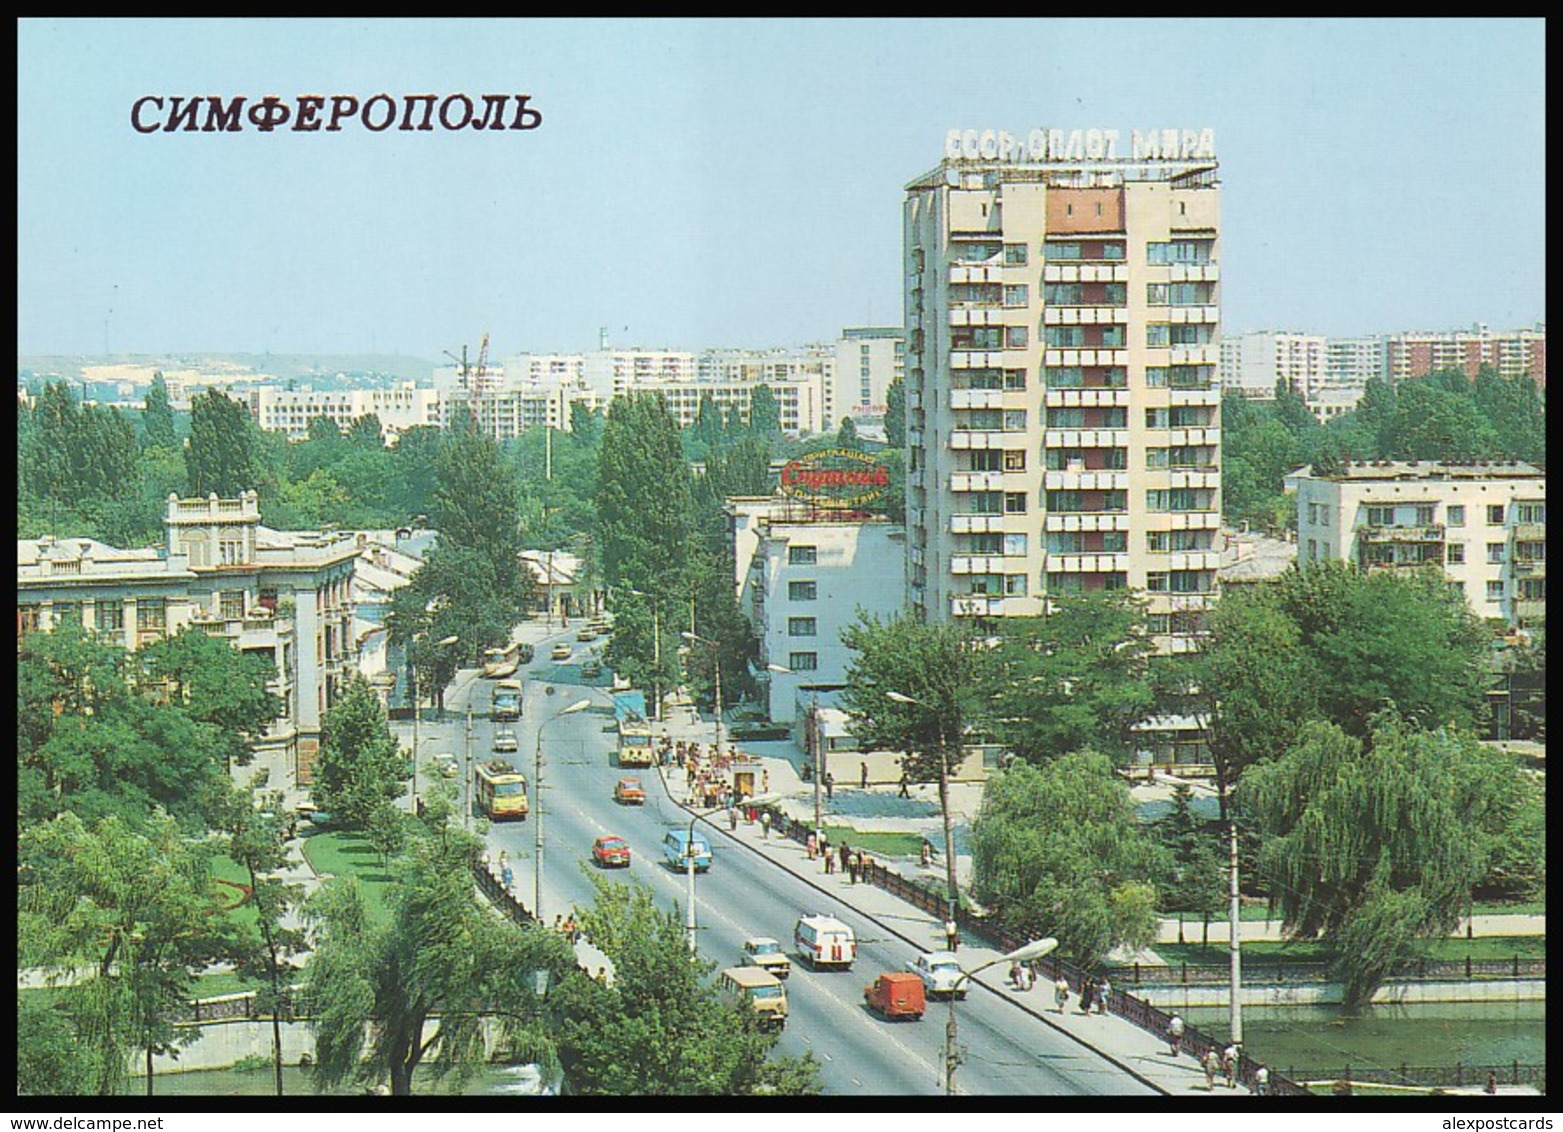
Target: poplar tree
x=223 y=454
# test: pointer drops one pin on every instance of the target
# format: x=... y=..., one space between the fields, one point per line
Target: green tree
x=476 y=508
x=1373 y=844
x=764 y=414
x=942 y=682
x=222 y=456
x=660 y=1029
x=643 y=496
x=265 y=950
x=126 y=915
x=895 y=414
x=1432 y=422
x=846 y=436
x=216 y=685
x=585 y=424
x=157 y=416
x=373 y=989
x=1196 y=879
x=366 y=432
x=50 y=1060
x=1074 y=678
x=360 y=765
x=414 y=474
x=1058 y=851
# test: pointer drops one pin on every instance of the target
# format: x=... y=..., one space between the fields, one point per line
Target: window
x=802 y=555
x=1424 y=515
x=1014 y=503
x=1495 y=514
x=1066 y=417
x=1313 y=514
x=1455 y=516
x=985 y=459
x=151 y=613
x=1015 y=585
x=1177 y=251
x=1015 y=255
x=1495 y=591
x=803 y=661
x=1527 y=513
x=1313 y=549
x=1156 y=377
x=1156 y=582
x=1065 y=542
x=1016 y=337
x=231 y=604
x=1014 y=544
x=1381 y=516
x=986 y=502
x=1015 y=461
x=1115 y=542
x=1014 y=379
x=110 y=616
x=1014 y=420
x=801 y=626
x=986 y=542
x=1457 y=554
x=67 y=613
x=1495 y=552
x=1016 y=295
x=802 y=591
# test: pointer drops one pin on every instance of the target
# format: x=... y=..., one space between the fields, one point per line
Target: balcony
x=1530 y=609
x=1090 y=562
x=1183 y=477
x=1530 y=532
x=973 y=524
x=977 y=481
x=1200 y=355
x=1087 y=521
x=961 y=439
x=1087 y=396
x=1085 y=273
x=1086 y=356
x=1207 y=394
x=1193 y=437
x=1529 y=567
x=976 y=359
x=1398 y=533
x=1193 y=314
x=977 y=314
x=989 y=605
x=976 y=398
x=986 y=272
x=1085 y=438
x=1097 y=315
x=987 y=564
x=1191 y=560
x=1194 y=273
x=1085 y=480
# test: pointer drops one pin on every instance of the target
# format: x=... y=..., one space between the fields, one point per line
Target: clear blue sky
x=737 y=183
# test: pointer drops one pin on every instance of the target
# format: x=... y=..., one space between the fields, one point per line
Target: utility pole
x=466 y=819
x=1233 y=935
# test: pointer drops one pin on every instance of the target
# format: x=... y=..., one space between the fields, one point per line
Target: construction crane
x=482 y=366
x=468 y=380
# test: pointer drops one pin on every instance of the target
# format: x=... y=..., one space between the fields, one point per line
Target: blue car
x=676 y=850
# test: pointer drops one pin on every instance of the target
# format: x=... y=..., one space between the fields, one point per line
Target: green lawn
x=1519 y=908
x=343 y=854
x=1480 y=949
x=874 y=843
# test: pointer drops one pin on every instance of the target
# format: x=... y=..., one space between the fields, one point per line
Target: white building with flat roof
x=1484 y=525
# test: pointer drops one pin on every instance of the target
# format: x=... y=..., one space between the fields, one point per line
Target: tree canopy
x=360 y=766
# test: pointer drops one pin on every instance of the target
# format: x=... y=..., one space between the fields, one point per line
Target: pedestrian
x=506 y=876
x=1229 y=1058
x=846 y=853
x=732 y=819
x=830 y=863
x=903 y=793
x=859 y=867
x=1262 y=1081
x=765 y=824
x=765 y=781
x=811 y=846
x=862 y=774
x=1101 y=994
x=927 y=856
x=830 y=784
x=952 y=933
x=1175 y=1029
x=1014 y=974
x=1061 y=993
x=1211 y=1065
x=1491 y=1088
x=559 y=924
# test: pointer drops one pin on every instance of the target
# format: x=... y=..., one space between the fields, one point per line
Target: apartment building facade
x=1510 y=352
x=1063 y=410
x=868 y=360
x=1252 y=363
x=290 y=410
x=286 y=595
x=1484 y=525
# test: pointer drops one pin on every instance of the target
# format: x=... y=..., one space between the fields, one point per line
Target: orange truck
x=896 y=994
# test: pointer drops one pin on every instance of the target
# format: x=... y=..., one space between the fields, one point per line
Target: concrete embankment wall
x=1312 y=994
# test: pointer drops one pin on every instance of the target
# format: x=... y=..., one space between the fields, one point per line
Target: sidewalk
x=1270 y=930
x=1118 y=1041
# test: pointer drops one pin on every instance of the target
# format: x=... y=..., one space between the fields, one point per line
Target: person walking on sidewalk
x=1175 y=1029
x=1061 y=993
x=903 y=793
x=862 y=772
x=1229 y=1058
x=1211 y=1065
x=765 y=824
x=1102 y=991
x=1262 y=1081
x=830 y=785
x=846 y=854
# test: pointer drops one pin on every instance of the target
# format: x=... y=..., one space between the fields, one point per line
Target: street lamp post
x=466 y=787
x=537 y=807
x=1036 y=949
x=413 y=668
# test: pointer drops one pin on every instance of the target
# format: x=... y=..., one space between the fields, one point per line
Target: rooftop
x=1427 y=470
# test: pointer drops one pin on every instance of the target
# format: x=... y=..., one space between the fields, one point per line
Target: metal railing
x=1260 y=971
x=1459 y=1075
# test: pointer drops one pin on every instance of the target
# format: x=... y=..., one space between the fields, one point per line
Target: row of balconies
x=976 y=359
x=987 y=564
x=1529 y=567
x=1211 y=395
x=976 y=273
x=1069 y=398
x=987 y=605
x=980 y=316
x=1530 y=532
x=1085 y=273
x=1433 y=532
x=1082 y=316
x=1083 y=357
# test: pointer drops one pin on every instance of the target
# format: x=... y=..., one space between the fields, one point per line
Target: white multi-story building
x=869 y=359
x=290 y=410
x=1252 y=363
x=286 y=595
x=1484 y=525
x=1349 y=363
x=803 y=575
x=1063 y=414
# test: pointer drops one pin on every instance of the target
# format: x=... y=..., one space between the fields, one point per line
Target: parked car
x=939 y=972
x=763 y=951
x=896 y=994
x=629 y=792
x=611 y=852
x=446 y=764
x=505 y=740
x=586 y=633
x=562 y=651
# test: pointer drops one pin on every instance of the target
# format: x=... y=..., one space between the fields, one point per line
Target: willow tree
x=1371 y=844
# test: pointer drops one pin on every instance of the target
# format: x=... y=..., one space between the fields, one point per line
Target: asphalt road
x=1007 y=1052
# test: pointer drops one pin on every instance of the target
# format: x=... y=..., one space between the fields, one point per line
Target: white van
x=824 y=941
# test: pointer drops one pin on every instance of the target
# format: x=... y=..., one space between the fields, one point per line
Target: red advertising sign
x=835 y=478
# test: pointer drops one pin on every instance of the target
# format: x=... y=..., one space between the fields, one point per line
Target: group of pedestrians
x=1216 y=1064
x=1095 y=994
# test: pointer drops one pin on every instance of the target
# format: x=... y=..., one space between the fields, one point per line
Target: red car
x=629 y=792
x=611 y=852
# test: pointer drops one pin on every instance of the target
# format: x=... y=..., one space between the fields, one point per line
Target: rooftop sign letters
x=835 y=478
x=1080 y=145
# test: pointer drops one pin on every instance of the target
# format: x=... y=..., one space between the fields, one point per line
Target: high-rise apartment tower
x=1063 y=412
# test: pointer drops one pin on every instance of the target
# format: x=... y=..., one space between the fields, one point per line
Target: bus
x=498 y=791
x=500 y=663
x=505 y=706
x=634 y=741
